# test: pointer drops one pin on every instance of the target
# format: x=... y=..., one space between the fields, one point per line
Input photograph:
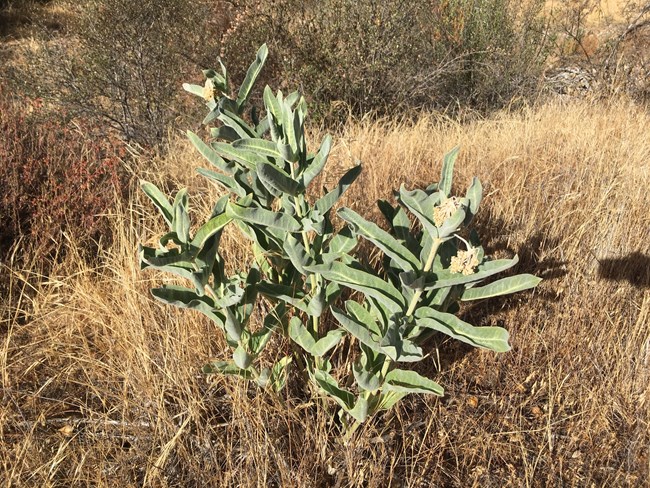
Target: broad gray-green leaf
x=484 y=271
x=226 y=181
x=361 y=281
x=359 y=312
x=327 y=202
x=198 y=90
x=503 y=286
x=388 y=399
x=342 y=243
x=296 y=253
x=210 y=154
x=232 y=326
x=474 y=195
x=247 y=158
x=251 y=75
x=259 y=339
x=241 y=358
x=289 y=127
x=448 y=171
x=259 y=146
x=367 y=380
x=292 y=296
x=452 y=224
x=185 y=298
x=318 y=302
x=181 y=223
x=236 y=123
x=301 y=336
x=154 y=258
x=225 y=133
x=380 y=238
x=331 y=387
x=272 y=105
x=318 y=163
x=357 y=329
x=421 y=205
x=159 y=200
x=210 y=228
x=324 y=344
x=360 y=410
x=403 y=381
x=292 y=98
x=276 y=179
x=263 y=217
x=493 y=338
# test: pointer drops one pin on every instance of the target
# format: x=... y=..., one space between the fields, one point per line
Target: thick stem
x=414 y=301
x=427 y=267
x=305 y=241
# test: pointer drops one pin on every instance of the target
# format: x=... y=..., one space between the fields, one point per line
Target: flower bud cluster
x=465 y=262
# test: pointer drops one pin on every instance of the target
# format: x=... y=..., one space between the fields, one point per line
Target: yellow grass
x=101 y=384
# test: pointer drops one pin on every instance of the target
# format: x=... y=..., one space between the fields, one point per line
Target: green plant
x=300 y=265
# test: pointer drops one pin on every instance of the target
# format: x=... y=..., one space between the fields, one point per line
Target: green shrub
x=299 y=266
x=377 y=56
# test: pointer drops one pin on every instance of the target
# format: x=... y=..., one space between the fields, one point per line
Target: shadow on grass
x=633 y=268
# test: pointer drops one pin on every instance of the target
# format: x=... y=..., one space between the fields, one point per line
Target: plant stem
x=427 y=267
x=305 y=240
x=414 y=301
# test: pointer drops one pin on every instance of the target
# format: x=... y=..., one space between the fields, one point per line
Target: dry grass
x=101 y=385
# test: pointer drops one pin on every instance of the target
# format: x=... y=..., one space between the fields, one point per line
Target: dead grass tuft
x=101 y=385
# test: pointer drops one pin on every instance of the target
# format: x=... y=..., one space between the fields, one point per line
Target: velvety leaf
x=331 y=387
x=251 y=75
x=210 y=154
x=318 y=163
x=328 y=201
x=357 y=329
x=361 y=281
x=259 y=146
x=448 y=171
x=493 y=338
x=227 y=368
x=210 y=228
x=159 y=200
x=484 y=271
x=380 y=238
x=403 y=381
x=276 y=179
x=185 y=298
x=228 y=182
x=241 y=358
x=503 y=286
x=260 y=216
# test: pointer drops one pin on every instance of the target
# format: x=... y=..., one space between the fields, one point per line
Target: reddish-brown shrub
x=57 y=179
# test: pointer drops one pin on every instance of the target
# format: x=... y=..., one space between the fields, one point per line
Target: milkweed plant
x=300 y=267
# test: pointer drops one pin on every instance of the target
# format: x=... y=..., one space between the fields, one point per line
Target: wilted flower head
x=446 y=210
x=208 y=90
x=465 y=262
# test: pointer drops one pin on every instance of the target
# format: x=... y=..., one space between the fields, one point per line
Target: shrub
x=377 y=56
x=54 y=180
x=123 y=61
x=300 y=266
